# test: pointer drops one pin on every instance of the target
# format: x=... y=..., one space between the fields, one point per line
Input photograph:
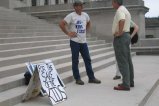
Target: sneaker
x=79 y=82
x=96 y=81
x=116 y=77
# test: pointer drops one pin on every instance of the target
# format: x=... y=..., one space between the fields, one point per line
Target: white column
x=28 y=3
x=41 y=2
x=49 y=2
x=52 y=2
x=61 y=1
x=38 y=2
x=71 y=1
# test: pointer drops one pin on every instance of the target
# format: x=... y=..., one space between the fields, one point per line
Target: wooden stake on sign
x=31 y=68
x=34 y=87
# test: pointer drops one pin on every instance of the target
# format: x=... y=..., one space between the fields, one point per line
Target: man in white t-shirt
x=78 y=24
x=122 y=39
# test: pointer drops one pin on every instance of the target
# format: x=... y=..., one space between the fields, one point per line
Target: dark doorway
x=56 y=1
x=33 y=2
x=46 y=2
x=65 y=1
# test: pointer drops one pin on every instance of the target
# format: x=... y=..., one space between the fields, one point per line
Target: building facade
x=152 y=27
x=100 y=11
x=28 y=3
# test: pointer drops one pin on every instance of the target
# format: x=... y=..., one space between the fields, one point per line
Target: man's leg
x=131 y=69
x=75 y=59
x=117 y=75
x=117 y=70
x=87 y=60
x=121 y=47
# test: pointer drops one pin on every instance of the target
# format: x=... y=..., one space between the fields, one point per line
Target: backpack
x=134 y=39
x=27 y=77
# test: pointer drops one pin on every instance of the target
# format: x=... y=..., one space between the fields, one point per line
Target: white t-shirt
x=121 y=13
x=77 y=23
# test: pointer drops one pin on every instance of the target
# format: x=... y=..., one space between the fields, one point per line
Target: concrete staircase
x=148 y=46
x=27 y=39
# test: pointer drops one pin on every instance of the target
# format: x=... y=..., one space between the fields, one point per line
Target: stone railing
x=92 y=4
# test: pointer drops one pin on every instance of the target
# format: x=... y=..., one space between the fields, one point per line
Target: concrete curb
x=145 y=99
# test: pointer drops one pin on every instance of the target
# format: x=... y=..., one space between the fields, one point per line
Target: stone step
x=96 y=67
x=22 y=45
x=10 y=12
x=18 y=45
x=30 y=39
x=19 y=17
x=9 y=100
x=33 y=38
x=39 y=55
x=16 y=64
x=26 y=22
x=18 y=80
x=5 y=35
x=12 y=96
x=28 y=30
x=11 y=27
x=146 y=50
x=65 y=67
x=31 y=50
x=11 y=82
x=30 y=22
x=104 y=58
x=18 y=20
x=29 y=34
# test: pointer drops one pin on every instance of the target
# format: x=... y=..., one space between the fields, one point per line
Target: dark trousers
x=82 y=48
x=123 y=57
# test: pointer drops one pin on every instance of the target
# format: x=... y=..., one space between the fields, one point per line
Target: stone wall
x=101 y=14
x=28 y=3
x=93 y=4
x=153 y=31
x=4 y=3
x=13 y=3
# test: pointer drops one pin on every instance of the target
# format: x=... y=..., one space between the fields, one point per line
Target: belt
x=120 y=35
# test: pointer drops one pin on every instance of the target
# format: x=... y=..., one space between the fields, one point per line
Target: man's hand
x=116 y=34
x=72 y=34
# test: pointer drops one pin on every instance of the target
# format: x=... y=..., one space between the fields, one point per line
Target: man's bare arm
x=62 y=25
x=88 y=26
x=121 y=27
x=136 y=28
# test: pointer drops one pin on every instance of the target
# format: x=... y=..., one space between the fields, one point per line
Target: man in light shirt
x=135 y=29
x=78 y=24
x=122 y=40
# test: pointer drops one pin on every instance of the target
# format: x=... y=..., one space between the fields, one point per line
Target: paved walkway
x=146 y=74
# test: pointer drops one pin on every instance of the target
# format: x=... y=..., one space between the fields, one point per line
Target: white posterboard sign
x=51 y=82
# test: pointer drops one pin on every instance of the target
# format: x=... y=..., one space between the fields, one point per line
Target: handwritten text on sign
x=50 y=82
